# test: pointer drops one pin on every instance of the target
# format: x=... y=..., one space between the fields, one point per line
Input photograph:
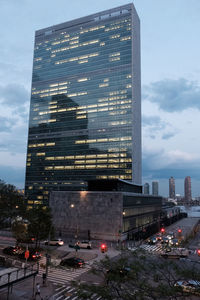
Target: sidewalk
x=24 y=290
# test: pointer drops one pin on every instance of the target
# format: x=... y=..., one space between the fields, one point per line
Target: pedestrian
x=37 y=290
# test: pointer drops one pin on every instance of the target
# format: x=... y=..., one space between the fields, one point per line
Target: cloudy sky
x=170 y=48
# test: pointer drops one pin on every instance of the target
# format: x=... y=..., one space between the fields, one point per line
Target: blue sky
x=170 y=68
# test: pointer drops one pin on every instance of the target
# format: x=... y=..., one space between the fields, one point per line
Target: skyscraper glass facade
x=85 y=105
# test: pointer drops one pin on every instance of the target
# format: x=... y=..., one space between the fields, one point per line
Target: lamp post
x=76 y=231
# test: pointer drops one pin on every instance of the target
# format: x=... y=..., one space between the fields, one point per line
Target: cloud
x=153 y=123
x=6 y=124
x=173 y=95
x=158 y=163
x=13 y=95
x=167 y=136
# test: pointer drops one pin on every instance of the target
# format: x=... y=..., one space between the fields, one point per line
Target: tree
x=19 y=229
x=40 y=223
x=139 y=276
x=12 y=203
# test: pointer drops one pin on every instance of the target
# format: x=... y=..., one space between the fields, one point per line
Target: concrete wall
x=74 y=213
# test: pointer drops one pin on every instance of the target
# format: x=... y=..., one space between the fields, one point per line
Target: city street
x=58 y=281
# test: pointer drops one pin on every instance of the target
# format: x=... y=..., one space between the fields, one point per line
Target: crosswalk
x=152 y=248
x=70 y=293
x=61 y=275
x=157 y=249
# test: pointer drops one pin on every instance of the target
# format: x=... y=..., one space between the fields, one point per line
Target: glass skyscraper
x=85 y=112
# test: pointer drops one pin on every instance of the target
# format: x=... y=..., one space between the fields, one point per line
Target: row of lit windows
x=103 y=140
x=72 y=167
x=41 y=145
x=75 y=46
x=36 y=120
x=84 y=115
x=72 y=94
x=102 y=156
x=64 y=85
x=64 y=92
x=77 y=58
x=81 y=156
x=114 y=177
x=75 y=39
x=80 y=111
x=124 y=38
x=85 y=106
x=112 y=47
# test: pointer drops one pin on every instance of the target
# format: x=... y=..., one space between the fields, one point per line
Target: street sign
x=27 y=254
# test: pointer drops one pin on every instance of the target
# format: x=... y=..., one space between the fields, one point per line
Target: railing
x=11 y=275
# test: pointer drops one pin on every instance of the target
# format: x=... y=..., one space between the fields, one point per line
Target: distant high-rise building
x=146 y=188
x=188 y=190
x=155 y=188
x=171 y=188
x=85 y=112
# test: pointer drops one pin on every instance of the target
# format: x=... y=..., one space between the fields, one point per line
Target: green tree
x=40 y=223
x=139 y=276
x=12 y=203
x=19 y=229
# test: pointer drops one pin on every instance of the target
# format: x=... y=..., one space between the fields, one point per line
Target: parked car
x=189 y=286
x=84 y=244
x=11 y=250
x=72 y=262
x=152 y=240
x=56 y=242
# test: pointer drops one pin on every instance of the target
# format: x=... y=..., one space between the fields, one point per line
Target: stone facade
x=77 y=214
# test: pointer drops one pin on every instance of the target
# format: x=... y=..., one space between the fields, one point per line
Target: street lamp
x=76 y=235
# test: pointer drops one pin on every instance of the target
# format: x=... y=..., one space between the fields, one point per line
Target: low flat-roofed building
x=109 y=210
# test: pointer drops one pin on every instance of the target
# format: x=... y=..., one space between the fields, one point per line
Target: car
x=152 y=240
x=84 y=244
x=189 y=286
x=72 y=262
x=11 y=250
x=174 y=242
x=159 y=236
x=170 y=235
x=56 y=242
x=165 y=240
x=33 y=255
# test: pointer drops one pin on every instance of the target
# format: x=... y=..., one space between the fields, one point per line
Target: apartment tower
x=85 y=111
x=155 y=188
x=171 y=188
x=187 y=189
x=146 y=188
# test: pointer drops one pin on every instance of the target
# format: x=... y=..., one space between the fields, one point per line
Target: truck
x=175 y=253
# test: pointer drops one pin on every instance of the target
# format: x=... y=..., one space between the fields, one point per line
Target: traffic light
x=179 y=230
x=162 y=230
x=103 y=248
x=198 y=252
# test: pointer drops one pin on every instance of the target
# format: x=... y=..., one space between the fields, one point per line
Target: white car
x=84 y=244
x=56 y=242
